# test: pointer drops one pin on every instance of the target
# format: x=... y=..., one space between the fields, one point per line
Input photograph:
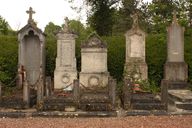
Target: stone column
x=26 y=92
x=76 y=91
x=112 y=90
x=48 y=89
x=40 y=92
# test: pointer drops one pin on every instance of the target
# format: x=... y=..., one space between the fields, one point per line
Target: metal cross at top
x=30 y=12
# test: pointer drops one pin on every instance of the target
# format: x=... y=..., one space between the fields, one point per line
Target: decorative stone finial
x=30 y=12
x=174 y=17
x=135 y=20
x=66 y=25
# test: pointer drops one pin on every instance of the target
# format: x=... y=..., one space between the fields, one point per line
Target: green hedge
x=8 y=58
x=155 y=56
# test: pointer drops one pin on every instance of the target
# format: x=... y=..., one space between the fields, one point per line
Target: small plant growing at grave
x=134 y=76
x=149 y=86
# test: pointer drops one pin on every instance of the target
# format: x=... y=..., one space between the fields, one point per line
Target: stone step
x=58 y=107
x=180 y=95
x=145 y=98
x=17 y=104
x=178 y=85
x=96 y=106
x=58 y=100
x=184 y=106
x=148 y=106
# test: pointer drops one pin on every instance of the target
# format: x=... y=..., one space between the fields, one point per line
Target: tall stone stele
x=31 y=59
x=175 y=68
x=135 y=64
x=65 y=71
x=135 y=67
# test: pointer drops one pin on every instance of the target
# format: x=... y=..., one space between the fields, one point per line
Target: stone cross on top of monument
x=30 y=12
x=135 y=20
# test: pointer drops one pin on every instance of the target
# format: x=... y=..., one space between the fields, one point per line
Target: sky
x=14 y=12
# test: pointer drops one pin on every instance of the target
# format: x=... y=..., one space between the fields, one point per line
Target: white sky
x=14 y=11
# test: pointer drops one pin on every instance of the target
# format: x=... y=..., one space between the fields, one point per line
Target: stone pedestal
x=95 y=91
x=134 y=67
x=176 y=71
x=65 y=71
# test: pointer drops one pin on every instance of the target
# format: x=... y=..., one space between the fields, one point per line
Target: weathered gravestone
x=175 y=68
x=65 y=72
x=135 y=67
x=96 y=92
x=31 y=60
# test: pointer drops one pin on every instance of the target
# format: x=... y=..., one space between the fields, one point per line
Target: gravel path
x=126 y=122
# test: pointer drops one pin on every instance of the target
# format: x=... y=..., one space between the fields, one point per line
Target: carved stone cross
x=30 y=12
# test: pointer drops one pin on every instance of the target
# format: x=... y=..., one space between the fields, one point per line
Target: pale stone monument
x=135 y=67
x=97 y=90
x=31 y=60
x=65 y=72
x=175 y=68
x=94 y=72
x=135 y=64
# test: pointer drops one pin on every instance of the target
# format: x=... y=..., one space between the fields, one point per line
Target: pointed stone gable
x=94 y=41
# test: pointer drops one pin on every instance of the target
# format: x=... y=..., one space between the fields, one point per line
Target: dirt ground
x=123 y=122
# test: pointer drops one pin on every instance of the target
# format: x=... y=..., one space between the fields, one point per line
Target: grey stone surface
x=65 y=71
x=175 y=44
x=182 y=95
x=48 y=85
x=176 y=71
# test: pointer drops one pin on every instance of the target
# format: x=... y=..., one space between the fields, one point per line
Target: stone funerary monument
x=31 y=60
x=65 y=72
x=174 y=85
x=96 y=90
x=135 y=67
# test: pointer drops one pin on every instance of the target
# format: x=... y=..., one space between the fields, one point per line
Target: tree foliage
x=3 y=26
x=51 y=29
